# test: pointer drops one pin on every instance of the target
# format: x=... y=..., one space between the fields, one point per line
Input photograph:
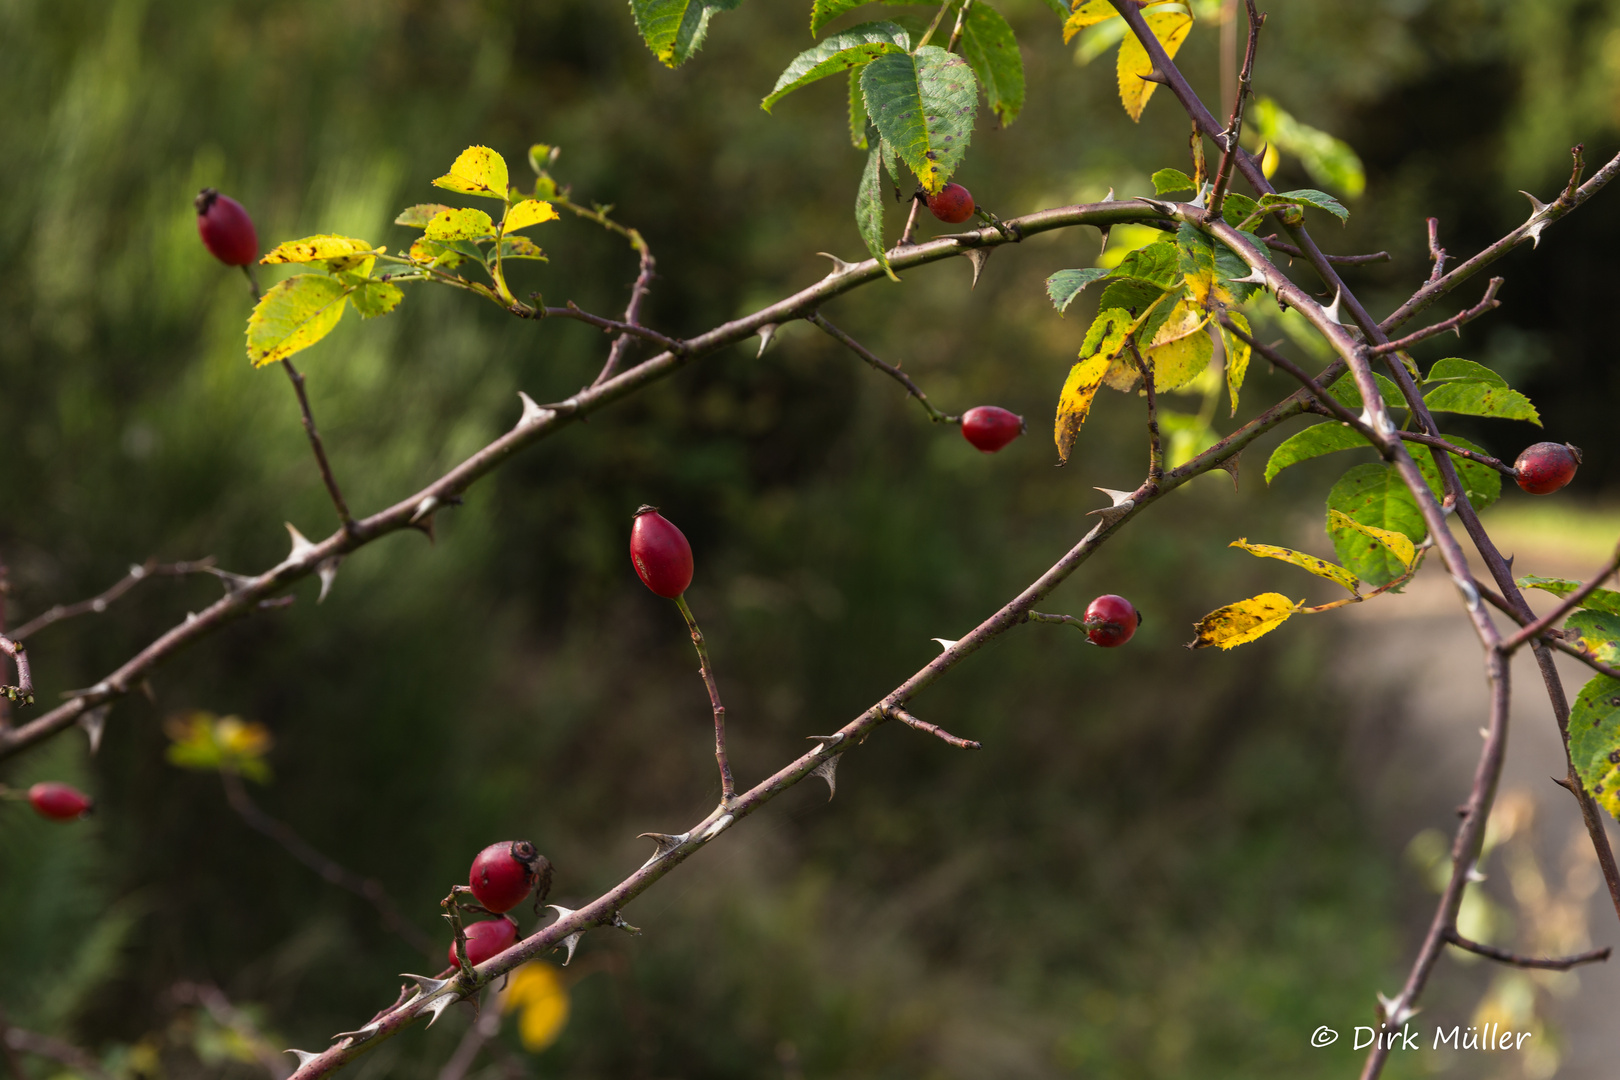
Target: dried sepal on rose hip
x=1545 y=467
x=59 y=802
x=486 y=939
x=990 y=428
x=660 y=553
x=226 y=230
x=1115 y=619
x=952 y=204
x=503 y=875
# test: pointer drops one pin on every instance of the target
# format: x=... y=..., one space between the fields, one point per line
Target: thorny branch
x=1569 y=604
x=1276 y=243
x=1455 y=323
x=99 y=603
x=1234 y=127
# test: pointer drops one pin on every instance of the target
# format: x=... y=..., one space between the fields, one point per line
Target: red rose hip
x=660 y=553
x=990 y=428
x=485 y=939
x=1115 y=619
x=503 y=875
x=1545 y=467
x=226 y=230
x=952 y=203
x=59 y=802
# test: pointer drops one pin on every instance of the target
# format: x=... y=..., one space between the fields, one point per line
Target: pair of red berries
x=1545 y=467
x=59 y=802
x=502 y=877
x=226 y=230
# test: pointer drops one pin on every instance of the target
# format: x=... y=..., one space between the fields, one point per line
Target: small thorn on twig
x=828 y=771
x=304 y=1056
x=978 y=256
x=571 y=942
x=327 y=572
x=839 y=266
x=94 y=722
x=767 y=334
x=945 y=644
x=1231 y=466
x=300 y=544
x=532 y=413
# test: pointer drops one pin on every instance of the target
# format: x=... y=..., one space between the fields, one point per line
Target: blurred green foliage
x=1157 y=866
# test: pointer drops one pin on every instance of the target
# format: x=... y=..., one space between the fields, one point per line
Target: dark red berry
x=990 y=428
x=1547 y=466
x=503 y=875
x=59 y=802
x=660 y=553
x=1116 y=620
x=485 y=939
x=952 y=203
x=226 y=230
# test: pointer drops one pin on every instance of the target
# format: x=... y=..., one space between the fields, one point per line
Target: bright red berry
x=59 y=802
x=226 y=230
x=660 y=553
x=952 y=203
x=1547 y=466
x=990 y=428
x=1118 y=621
x=503 y=875
x=485 y=939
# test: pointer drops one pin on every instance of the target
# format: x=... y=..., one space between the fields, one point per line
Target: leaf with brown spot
x=1242 y=622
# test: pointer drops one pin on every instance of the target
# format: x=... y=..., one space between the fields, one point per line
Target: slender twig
x=1559 y=963
x=368 y=889
x=961 y=22
x=1275 y=243
x=297 y=380
x=5 y=702
x=1323 y=401
x=99 y=603
x=479 y=1032
x=1497 y=601
x=1437 y=254
x=1155 y=449
x=910 y=230
x=1452 y=448
x=728 y=786
x=23 y=691
x=1082 y=625
x=933 y=729
x=817 y=319
x=227 y=1015
x=32 y=1042
x=14 y=1067
x=1454 y=323
x=933 y=26
x=1567 y=605
x=632 y=310
x=573 y=311
x=1234 y=127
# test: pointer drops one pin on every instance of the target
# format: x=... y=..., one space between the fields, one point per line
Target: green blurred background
x=1158 y=865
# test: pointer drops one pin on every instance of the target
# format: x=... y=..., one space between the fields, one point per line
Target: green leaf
x=823 y=12
x=992 y=50
x=1472 y=398
x=1481 y=483
x=1132 y=294
x=376 y=298
x=1168 y=180
x=1059 y=8
x=858 y=120
x=1320 y=567
x=1330 y=161
x=1373 y=495
x=467 y=224
x=869 y=210
x=923 y=104
x=1600 y=600
x=1236 y=209
x=1596 y=632
x=1397 y=544
x=477 y=171
x=1454 y=367
x=1307 y=197
x=521 y=247
x=1159 y=264
x=1348 y=394
x=1325 y=438
x=853 y=48
x=1237 y=355
x=1594 y=740
x=419 y=215
x=674 y=29
x=292 y=316
x=1063 y=286
x=318 y=249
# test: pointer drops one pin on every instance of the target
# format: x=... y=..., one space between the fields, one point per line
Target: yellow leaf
x=1237 y=355
x=1398 y=544
x=1181 y=350
x=478 y=171
x=1320 y=567
x=1242 y=622
x=459 y=225
x=528 y=212
x=316 y=248
x=538 y=991
x=438 y=255
x=1075 y=402
x=1171 y=28
x=293 y=315
x=1087 y=14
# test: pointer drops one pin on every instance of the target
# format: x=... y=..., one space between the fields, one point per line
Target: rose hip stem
x=728 y=787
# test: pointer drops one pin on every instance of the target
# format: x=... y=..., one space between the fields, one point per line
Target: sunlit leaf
x=1478 y=398
x=1306 y=197
x=857 y=110
x=1328 y=160
x=419 y=215
x=478 y=171
x=205 y=742
x=1328 y=437
x=1347 y=393
x=1088 y=14
x=1074 y=404
x=292 y=316
x=1167 y=180
x=1180 y=350
x=464 y=224
x=376 y=298
x=823 y=12
x=440 y=256
x=1605 y=600
x=842 y=52
x=1595 y=632
x=1237 y=356
x=318 y=248
x=521 y=247
x=1455 y=367
x=1318 y=566
x=1171 y=28
x=1063 y=286
x=990 y=47
x=869 y=210
x=1372 y=495
x=1481 y=483
x=1397 y=544
x=1158 y=264
x=923 y=105
x=1594 y=740
x=537 y=993
x=528 y=212
x=675 y=29
x=1242 y=622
